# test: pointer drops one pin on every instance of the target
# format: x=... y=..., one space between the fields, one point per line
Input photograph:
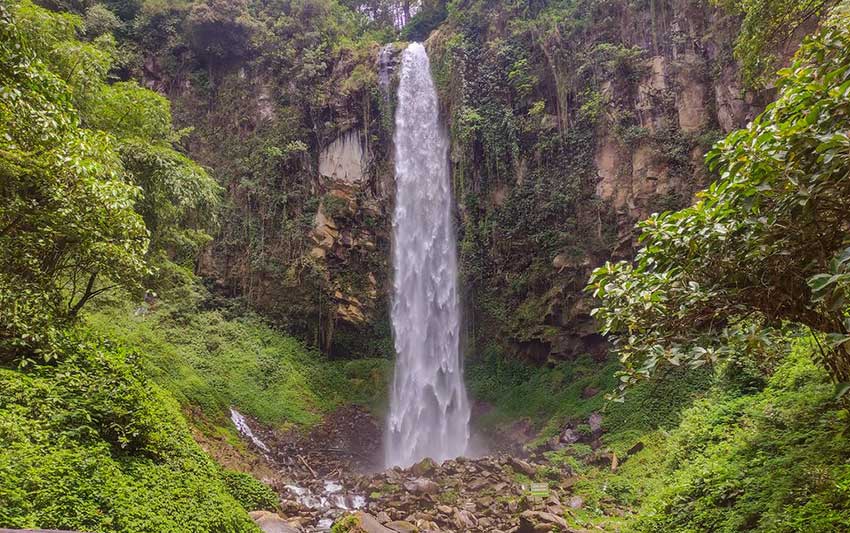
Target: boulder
x=271 y=522
x=595 y=423
x=522 y=467
x=534 y=521
x=570 y=435
x=422 y=486
x=402 y=526
x=576 y=502
x=360 y=522
x=423 y=467
x=464 y=520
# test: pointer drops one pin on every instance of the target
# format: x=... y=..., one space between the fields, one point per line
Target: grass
x=727 y=450
x=551 y=396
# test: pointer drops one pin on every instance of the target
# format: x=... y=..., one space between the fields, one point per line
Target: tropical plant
x=769 y=239
x=66 y=209
x=91 y=177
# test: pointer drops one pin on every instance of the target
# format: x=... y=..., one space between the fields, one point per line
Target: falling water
x=429 y=411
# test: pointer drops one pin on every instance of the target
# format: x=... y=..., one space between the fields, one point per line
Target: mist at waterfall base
x=429 y=409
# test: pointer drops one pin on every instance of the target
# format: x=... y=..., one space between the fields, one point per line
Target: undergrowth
x=733 y=449
x=215 y=358
x=90 y=444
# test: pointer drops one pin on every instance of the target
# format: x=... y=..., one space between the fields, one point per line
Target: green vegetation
x=216 y=358
x=734 y=448
x=731 y=284
x=766 y=28
x=775 y=460
x=250 y=493
x=765 y=244
x=90 y=444
x=770 y=457
x=731 y=323
x=94 y=196
x=549 y=397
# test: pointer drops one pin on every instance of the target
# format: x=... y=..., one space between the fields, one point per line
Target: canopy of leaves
x=769 y=239
x=66 y=209
x=89 y=174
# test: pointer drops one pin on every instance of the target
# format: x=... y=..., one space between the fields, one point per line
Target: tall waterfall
x=429 y=411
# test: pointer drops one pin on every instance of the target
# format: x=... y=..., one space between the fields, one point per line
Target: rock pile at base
x=490 y=494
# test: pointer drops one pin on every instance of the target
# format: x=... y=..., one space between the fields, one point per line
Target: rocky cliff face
x=305 y=234
x=568 y=125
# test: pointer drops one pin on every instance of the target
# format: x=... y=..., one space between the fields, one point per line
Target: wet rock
x=343 y=159
x=570 y=435
x=464 y=520
x=423 y=467
x=271 y=522
x=422 y=486
x=361 y=522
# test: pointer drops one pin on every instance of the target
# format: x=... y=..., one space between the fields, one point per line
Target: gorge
x=378 y=266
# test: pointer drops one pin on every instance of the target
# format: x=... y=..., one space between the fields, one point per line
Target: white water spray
x=429 y=410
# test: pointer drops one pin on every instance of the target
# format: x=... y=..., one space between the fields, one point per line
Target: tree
x=767 y=27
x=66 y=210
x=769 y=239
x=93 y=192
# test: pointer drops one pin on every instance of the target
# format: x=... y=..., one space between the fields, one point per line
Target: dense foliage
x=771 y=460
x=767 y=242
x=211 y=355
x=67 y=209
x=90 y=444
x=767 y=28
x=98 y=195
x=534 y=92
x=94 y=195
x=748 y=450
x=91 y=183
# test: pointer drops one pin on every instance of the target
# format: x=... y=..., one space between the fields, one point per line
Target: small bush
x=251 y=493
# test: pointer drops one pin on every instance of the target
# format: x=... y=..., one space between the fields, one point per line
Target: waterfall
x=429 y=411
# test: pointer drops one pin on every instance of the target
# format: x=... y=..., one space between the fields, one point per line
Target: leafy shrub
x=89 y=444
x=251 y=493
x=768 y=239
x=772 y=461
x=209 y=359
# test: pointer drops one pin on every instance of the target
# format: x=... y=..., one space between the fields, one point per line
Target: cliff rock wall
x=569 y=123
